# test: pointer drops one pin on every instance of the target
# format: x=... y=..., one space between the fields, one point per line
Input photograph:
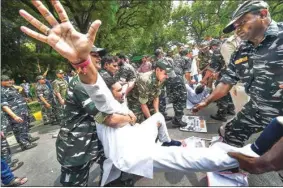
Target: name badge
x=241 y=60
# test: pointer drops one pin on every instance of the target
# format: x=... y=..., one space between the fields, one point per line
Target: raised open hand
x=62 y=37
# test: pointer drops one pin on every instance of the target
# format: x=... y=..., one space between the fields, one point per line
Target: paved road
x=42 y=168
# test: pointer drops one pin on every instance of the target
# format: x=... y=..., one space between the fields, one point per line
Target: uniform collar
x=272 y=29
x=104 y=70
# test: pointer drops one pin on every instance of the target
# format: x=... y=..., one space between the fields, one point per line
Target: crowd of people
x=111 y=111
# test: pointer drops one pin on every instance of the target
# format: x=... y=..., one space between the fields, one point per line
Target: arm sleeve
x=4 y=99
x=215 y=63
x=55 y=87
x=100 y=117
x=39 y=92
x=230 y=76
x=143 y=91
x=123 y=74
x=85 y=101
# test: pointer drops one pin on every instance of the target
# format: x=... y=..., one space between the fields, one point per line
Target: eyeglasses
x=95 y=55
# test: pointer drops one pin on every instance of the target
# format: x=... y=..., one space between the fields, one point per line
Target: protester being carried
x=76 y=48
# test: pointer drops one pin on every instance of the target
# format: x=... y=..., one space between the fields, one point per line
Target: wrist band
x=81 y=67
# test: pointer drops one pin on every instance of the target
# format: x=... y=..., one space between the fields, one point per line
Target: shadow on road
x=43 y=129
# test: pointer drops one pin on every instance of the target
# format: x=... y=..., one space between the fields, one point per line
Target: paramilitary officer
x=177 y=93
x=15 y=107
x=126 y=75
x=182 y=68
x=203 y=60
x=77 y=143
x=45 y=97
x=59 y=86
x=109 y=67
x=159 y=54
x=258 y=64
x=217 y=67
x=143 y=100
x=5 y=148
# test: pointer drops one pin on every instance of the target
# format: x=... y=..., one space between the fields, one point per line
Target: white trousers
x=183 y=159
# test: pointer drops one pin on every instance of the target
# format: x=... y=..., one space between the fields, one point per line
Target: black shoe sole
x=33 y=146
x=34 y=140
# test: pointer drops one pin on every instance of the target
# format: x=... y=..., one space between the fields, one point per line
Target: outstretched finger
x=34 y=34
x=35 y=22
x=93 y=30
x=45 y=13
x=60 y=10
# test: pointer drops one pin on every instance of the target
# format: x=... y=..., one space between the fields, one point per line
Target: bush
x=34 y=106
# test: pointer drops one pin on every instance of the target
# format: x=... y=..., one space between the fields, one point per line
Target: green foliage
x=34 y=106
x=133 y=27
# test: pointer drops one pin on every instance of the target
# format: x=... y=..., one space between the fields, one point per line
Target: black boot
x=178 y=123
x=28 y=146
x=218 y=117
x=231 y=112
x=33 y=139
x=167 y=118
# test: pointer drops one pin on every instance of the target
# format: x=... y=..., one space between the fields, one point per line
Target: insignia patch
x=241 y=60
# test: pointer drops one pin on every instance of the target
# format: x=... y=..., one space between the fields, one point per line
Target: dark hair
x=158 y=51
x=116 y=58
x=106 y=60
x=109 y=81
x=199 y=89
x=122 y=56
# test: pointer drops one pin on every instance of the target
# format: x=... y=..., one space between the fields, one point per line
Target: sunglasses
x=95 y=55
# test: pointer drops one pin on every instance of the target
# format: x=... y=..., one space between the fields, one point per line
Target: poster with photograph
x=194 y=124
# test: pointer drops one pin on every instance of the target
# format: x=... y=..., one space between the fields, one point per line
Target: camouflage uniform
x=260 y=70
x=175 y=86
x=77 y=144
x=106 y=75
x=47 y=113
x=204 y=60
x=59 y=86
x=126 y=73
x=5 y=148
x=145 y=91
x=10 y=97
x=225 y=104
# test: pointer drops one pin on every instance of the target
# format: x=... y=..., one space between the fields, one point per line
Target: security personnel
x=109 y=68
x=159 y=54
x=143 y=100
x=59 y=86
x=45 y=98
x=177 y=89
x=177 y=93
x=217 y=67
x=258 y=64
x=78 y=132
x=15 y=107
x=126 y=74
